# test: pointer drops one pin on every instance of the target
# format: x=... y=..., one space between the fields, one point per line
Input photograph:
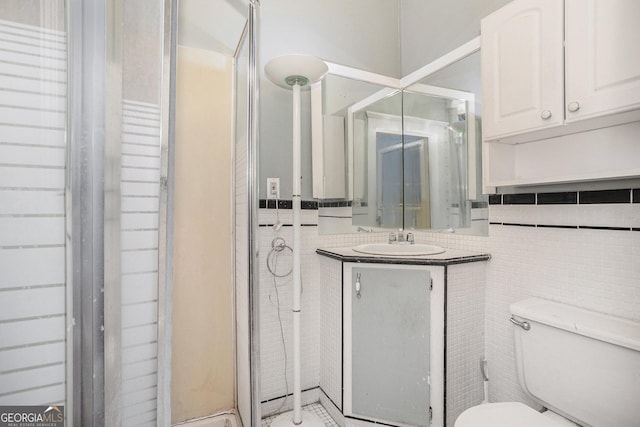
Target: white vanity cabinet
x=561 y=85
x=414 y=336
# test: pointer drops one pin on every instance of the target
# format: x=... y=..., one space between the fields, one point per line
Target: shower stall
x=86 y=209
x=84 y=189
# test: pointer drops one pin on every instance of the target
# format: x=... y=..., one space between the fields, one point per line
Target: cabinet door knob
x=573 y=106
x=546 y=114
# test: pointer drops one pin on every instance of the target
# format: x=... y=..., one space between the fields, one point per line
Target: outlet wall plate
x=273 y=188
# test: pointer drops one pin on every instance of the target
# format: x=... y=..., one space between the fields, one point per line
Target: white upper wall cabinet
x=602 y=57
x=561 y=92
x=522 y=68
x=547 y=63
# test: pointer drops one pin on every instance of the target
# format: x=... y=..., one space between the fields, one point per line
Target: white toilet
x=584 y=367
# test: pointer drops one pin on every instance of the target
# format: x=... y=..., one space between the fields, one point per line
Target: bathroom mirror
x=410 y=160
x=464 y=75
x=412 y=156
x=332 y=157
x=377 y=160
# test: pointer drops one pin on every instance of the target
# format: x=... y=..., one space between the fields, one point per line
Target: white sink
x=389 y=249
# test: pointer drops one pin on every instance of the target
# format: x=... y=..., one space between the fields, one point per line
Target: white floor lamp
x=295 y=72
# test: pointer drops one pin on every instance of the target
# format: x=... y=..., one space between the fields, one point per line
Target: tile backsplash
x=580 y=248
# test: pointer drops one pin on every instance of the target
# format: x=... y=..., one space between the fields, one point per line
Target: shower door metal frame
x=165 y=220
x=85 y=207
x=253 y=194
x=92 y=199
x=250 y=35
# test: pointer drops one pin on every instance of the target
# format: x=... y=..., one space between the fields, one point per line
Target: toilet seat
x=504 y=414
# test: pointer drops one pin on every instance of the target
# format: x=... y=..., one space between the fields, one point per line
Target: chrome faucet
x=399 y=237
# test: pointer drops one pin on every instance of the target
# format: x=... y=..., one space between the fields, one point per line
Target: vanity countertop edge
x=449 y=257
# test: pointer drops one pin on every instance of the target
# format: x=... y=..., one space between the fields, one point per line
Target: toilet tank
x=581 y=364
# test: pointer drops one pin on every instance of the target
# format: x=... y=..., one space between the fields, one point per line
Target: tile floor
x=316 y=408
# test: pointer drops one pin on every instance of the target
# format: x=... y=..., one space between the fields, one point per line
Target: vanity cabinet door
x=389 y=327
x=602 y=57
x=522 y=68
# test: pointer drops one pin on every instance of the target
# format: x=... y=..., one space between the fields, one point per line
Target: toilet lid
x=504 y=414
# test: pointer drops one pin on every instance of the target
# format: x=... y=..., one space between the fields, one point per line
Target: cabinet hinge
x=430 y=284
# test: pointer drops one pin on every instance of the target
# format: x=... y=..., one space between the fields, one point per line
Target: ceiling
x=215 y=25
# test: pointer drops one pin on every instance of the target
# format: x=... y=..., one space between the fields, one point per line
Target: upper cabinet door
x=602 y=57
x=522 y=68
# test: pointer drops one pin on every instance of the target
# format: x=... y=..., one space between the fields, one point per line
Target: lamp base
x=309 y=419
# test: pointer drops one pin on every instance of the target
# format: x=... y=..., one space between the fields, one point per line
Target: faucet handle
x=392 y=237
x=410 y=238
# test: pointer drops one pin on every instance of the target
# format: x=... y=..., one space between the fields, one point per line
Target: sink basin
x=389 y=249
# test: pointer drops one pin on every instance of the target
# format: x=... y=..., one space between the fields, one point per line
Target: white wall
x=432 y=28
x=358 y=33
x=203 y=341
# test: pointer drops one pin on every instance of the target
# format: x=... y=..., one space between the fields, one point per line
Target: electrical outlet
x=273 y=188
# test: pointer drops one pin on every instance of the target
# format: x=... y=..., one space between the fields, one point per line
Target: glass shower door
x=390 y=345
x=33 y=151
x=141 y=159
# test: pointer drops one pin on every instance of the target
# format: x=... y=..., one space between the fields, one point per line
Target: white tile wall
x=271 y=347
x=467 y=281
x=316 y=357
x=465 y=337
x=594 y=269
x=331 y=329
x=313 y=282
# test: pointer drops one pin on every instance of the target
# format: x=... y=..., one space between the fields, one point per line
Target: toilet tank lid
x=603 y=327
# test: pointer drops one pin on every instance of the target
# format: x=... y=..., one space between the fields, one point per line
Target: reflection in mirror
x=339 y=95
x=377 y=139
x=443 y=202
x=410 y=162
x=464 y=76
x=412 y=156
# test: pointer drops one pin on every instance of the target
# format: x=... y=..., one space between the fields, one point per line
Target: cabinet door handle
x=573 y=106
x=546 y=115
x=358 y=285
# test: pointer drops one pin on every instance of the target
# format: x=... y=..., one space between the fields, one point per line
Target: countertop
x=449 y=257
